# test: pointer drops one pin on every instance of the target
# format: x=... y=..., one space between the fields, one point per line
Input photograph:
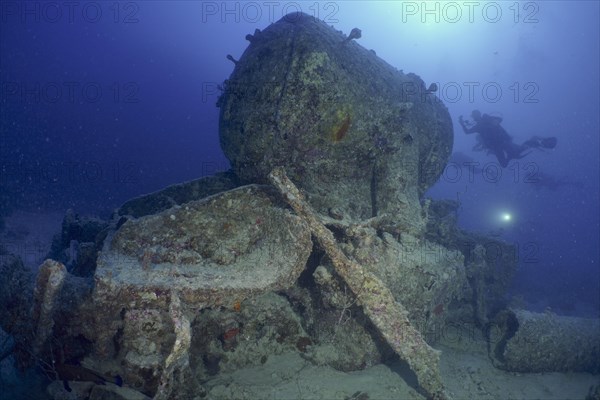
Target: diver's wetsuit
x=494 y=138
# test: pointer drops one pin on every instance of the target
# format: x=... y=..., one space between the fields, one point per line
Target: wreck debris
x=362 y=159
x=217 y=252
x=16 y=288
x=525 y=341
x=389 y=316
x=78 y=243
x=50 y=280
x=432 y=88
x=233 y=60
x=250 y=37
x=335 y=116
x=177 y=362
x=354 y=34
x=178 y=194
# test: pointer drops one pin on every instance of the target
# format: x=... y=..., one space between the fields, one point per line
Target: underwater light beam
x=505 y=217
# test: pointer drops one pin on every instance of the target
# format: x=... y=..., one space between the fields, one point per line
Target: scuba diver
x=492 y=137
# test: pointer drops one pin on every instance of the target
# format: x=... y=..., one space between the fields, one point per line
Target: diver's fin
x=66 y=386
x=532 y=143
x=521 y=155
x=549 y=143
x=541 y=143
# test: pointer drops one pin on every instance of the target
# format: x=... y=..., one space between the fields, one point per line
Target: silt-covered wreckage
x=317 y=241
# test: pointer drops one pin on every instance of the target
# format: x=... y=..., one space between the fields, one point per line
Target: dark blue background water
x=103 y=101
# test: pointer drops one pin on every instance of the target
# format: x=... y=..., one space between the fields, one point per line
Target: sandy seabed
x=465 y=367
